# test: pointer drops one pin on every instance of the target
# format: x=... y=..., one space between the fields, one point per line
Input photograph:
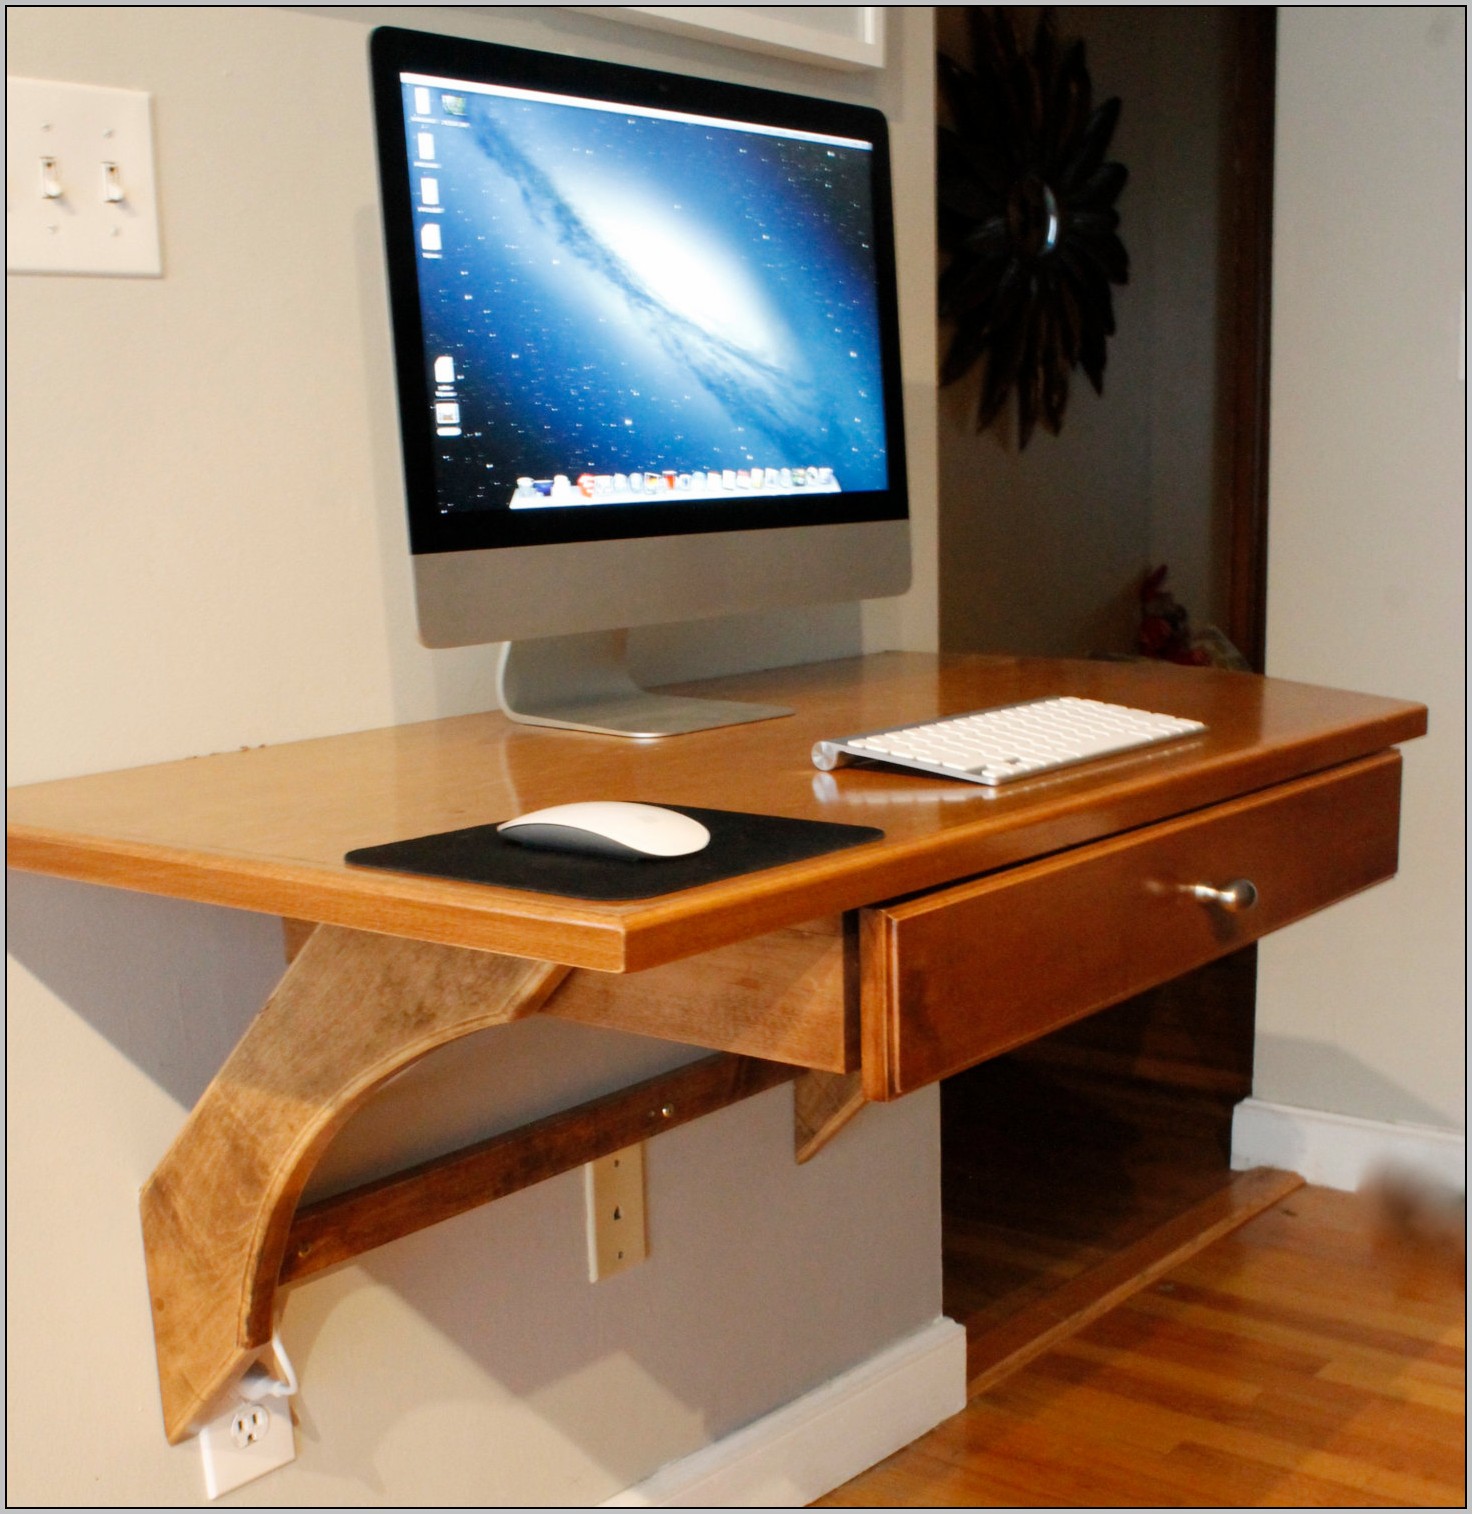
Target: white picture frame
x=833 y=36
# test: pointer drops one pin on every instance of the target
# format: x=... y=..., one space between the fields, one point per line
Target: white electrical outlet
x=79 y=182
x=245 y=1443
x=617 y=1233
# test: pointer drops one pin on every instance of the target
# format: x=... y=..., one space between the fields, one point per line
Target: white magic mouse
x=608 y=828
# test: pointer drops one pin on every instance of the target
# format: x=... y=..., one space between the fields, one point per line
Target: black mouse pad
x=739 y=843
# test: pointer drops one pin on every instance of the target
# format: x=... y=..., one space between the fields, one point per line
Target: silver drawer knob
x=1239 y=894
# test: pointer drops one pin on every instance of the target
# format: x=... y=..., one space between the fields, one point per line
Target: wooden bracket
x=352 y=1010
x=789 y=996
x=221 y=1227
x=822 y=1104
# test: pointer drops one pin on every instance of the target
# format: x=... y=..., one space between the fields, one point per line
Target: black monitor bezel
x=394 y=50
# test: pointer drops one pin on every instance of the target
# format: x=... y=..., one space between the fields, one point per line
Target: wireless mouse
x=608 y=828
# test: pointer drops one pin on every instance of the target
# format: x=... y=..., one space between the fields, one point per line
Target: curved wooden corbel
x=353 y=1009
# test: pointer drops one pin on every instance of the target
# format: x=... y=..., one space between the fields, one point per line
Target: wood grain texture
x=1314 y=1357
x=992 y=1355
x=1247 y=263
x=266 y=829
x=295 y=935
x=352 y=1010
x=345 y=1225
x=789 y=995
x=1050 y=1170
x=1195 y=1032
x=961 y=974
x=822 y=1104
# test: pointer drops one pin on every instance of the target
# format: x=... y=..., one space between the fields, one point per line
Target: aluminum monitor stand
x=582 y=683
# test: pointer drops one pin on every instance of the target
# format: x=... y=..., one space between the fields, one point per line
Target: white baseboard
x=1342 y=1151
x=813 y=1444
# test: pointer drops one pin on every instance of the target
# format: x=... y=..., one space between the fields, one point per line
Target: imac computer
x=647 y=354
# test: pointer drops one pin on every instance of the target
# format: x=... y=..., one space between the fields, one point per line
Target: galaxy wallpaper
x=620 y=293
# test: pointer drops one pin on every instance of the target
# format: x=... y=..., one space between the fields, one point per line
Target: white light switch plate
x=92 y=148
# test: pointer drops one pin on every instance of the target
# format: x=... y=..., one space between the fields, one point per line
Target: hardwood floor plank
x=1165 y=1376
x=1059 y=1312
x=1297 y=1287
x=1245 y=1318
x=1138 y=1337
x=1052 y=1466
x=1301 y=1360
x=1235 y=1481
x=1409 y=1385
x=1271 y=1432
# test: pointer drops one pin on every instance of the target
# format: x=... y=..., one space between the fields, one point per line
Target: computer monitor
x=647 y=354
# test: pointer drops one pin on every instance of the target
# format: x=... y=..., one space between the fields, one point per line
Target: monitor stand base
x=582 y=683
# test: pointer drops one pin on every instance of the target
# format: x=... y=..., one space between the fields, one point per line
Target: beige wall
x=206 y=550
x=1361 y=1010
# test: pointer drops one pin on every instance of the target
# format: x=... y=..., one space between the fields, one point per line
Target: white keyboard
x=1016 y=741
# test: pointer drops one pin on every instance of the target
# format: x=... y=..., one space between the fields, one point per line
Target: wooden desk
x=979 y=922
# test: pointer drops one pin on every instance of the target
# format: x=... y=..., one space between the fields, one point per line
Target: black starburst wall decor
x=1027 y=217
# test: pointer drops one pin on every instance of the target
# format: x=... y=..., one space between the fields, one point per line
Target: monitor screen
x=629 y=304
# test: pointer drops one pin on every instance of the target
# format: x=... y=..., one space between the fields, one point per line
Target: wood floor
x=1146 y=1328
x=1314 y=1357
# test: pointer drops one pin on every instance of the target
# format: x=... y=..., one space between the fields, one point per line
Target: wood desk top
x=266 y=829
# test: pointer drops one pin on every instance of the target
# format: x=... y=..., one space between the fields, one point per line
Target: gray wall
x=207 y=551
x=1361 y=1010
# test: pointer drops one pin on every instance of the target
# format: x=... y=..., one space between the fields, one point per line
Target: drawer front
x=956 y=976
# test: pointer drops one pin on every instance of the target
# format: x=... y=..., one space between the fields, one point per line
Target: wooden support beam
x=347 y=1224
x=788 y=996
x=352 y=1009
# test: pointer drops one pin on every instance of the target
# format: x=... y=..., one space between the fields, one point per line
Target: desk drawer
x=956 y=976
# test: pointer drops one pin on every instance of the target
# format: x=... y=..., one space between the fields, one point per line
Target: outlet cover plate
x=97 y=142
x=245 y=1442
x=618 y=1236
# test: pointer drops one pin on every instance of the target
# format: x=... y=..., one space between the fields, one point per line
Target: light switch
x=79 y=183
